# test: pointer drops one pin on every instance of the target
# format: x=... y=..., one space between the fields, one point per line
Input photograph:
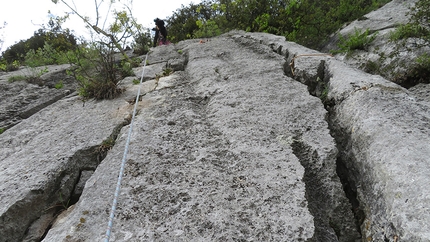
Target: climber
x=160 y=32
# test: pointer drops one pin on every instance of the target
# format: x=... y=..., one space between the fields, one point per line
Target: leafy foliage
x=52 y=38
x=142 y=42
x=416 y=32
x=357 y=41
x=418 y=26
x=308 y=22
x=98 y=72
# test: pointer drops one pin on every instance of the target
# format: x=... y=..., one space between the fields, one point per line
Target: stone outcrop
x=19 y=100
x=394 y=60
x=382 y=131
x=251 y=138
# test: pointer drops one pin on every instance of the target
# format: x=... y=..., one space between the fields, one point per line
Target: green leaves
x=308 y=22
x=357 y=41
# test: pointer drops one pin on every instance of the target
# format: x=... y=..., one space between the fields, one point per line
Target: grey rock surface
x=20 y=100
x=228 y=149
x=383 y=136
x=42 y=157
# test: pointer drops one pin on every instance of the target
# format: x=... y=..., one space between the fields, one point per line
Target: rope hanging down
x=124 y=158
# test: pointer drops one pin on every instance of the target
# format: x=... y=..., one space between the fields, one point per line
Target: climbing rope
x=297 y=56
x=124 y=158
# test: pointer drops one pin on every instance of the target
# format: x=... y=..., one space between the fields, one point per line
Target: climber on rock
x=160 y=37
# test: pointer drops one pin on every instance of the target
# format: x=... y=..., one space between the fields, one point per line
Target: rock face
x=251 y=138
x=20 y=100
x=382 y=131
x=392 y=59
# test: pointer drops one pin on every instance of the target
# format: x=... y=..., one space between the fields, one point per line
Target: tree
x=307 y=22
x=98 y=70
x=123 y=27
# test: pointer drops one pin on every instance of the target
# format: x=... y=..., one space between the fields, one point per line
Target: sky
x=24 y=17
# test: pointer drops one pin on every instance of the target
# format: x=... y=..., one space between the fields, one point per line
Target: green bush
x=142 y=43
x=59 y=85
x=44 y=56
x=307 y=22
x=48 y=41
x=409 y=30
x=418 y=26
x=207 y=29
x=13 y=66
x=357 y=41
x=17 y=78
x=96 y=71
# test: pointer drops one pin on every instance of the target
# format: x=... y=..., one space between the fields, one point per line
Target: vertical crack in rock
x=350 y=190
x=330 y=210
x=317 y=86
x=333 y=216
x=66 y=189
x=316 y=197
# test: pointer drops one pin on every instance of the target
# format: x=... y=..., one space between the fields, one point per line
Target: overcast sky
x=23 y=17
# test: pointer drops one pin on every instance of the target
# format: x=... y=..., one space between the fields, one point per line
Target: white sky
x=23 y=17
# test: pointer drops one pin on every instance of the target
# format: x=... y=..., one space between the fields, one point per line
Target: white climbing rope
x=124 y=158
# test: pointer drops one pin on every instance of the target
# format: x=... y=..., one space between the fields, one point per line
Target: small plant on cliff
x=419 y=72
x=167 y=72
x=408 y=30
x=63 y=202
x=2 y=130
x=3 y=67
x=415 y=33
x=59 y=85
x=97 y=73
x=106 y=145
x=16 y=78
x=357 y=41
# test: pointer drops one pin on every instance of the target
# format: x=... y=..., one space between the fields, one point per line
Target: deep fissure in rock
x=69 y=185
x=320 y=90
x=327 y=226
x=315 y=194
x=350 y=191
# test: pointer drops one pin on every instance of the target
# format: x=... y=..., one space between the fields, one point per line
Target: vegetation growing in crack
x=33 y=76
x=17 y=78
x=167 y=72
x=324 y=94
x=65 y=203
x=106 y=145
x=59 y=85
x=357 y=41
